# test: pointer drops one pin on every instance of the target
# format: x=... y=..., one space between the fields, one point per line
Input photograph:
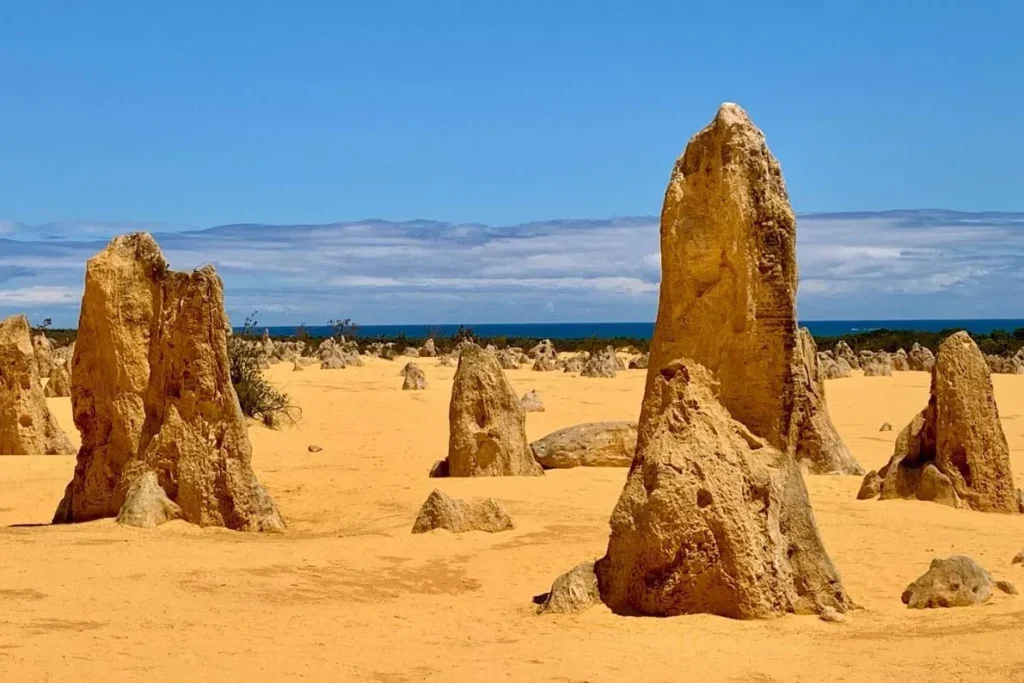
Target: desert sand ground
x=347 y=593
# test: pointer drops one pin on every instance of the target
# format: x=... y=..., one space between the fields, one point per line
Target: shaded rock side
x=818 y=445
x=712 y=519
x=441 y=511
x=729 y=280
x=487 y=424
x=26 y=425
x=595 y=444
x=153 y=399
x=954 y=451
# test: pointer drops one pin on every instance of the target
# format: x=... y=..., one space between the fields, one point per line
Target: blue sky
x=182 y=116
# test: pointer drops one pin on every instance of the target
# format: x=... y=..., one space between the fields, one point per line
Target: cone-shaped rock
x=152 y=397
x=487 y=424
x=729 y=280
x=711 y=518
x=954 y=451
x=26 y=425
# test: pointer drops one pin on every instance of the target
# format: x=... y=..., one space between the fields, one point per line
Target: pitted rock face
x=714 y=516
x=712 y=519
x=487 y=423
x=954 y=451
x=957 y=581
x=26 y=425
x=153 y=399
x=729 y=281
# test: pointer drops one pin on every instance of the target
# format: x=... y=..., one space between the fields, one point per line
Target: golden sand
x=347 y=593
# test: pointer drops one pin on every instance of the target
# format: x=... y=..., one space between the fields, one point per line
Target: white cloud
x=868 y=265
x=40 y=296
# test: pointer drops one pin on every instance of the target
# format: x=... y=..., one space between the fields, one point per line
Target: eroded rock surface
x=954 y=451
x=59 y=384
x=487 y=424
x=26 y=425
x=595 y=444
x=957 y=581
x=531 y=402
x=712 y=519
x=153 y=399
x=728 y=290
x=414 y=378
x=572 y=592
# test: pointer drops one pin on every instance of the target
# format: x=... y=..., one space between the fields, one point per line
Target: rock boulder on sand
x=877 y=365
x=920 y=358
x=429 y=350
x=544 y=364
x=595 y=444
x=508 y=359
x=728 y=290
x=441 y=511
x=900 y=362
x=834 y=369
x=954 y=451
x=572 y=592
x=486 y=422
x=153 y=399
x=415 y=379
x=601 y=364
x=640 y=362
x=842 y=351
x=544 y=349
x=26 y=425
x=957 y=581
x=712 y=519
x=532 y=402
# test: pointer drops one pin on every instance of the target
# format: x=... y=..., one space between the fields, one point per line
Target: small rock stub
x=441 y=511
x=572 y=592
x=532 y=402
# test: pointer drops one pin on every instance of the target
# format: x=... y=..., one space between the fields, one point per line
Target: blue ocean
x=644 y=330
